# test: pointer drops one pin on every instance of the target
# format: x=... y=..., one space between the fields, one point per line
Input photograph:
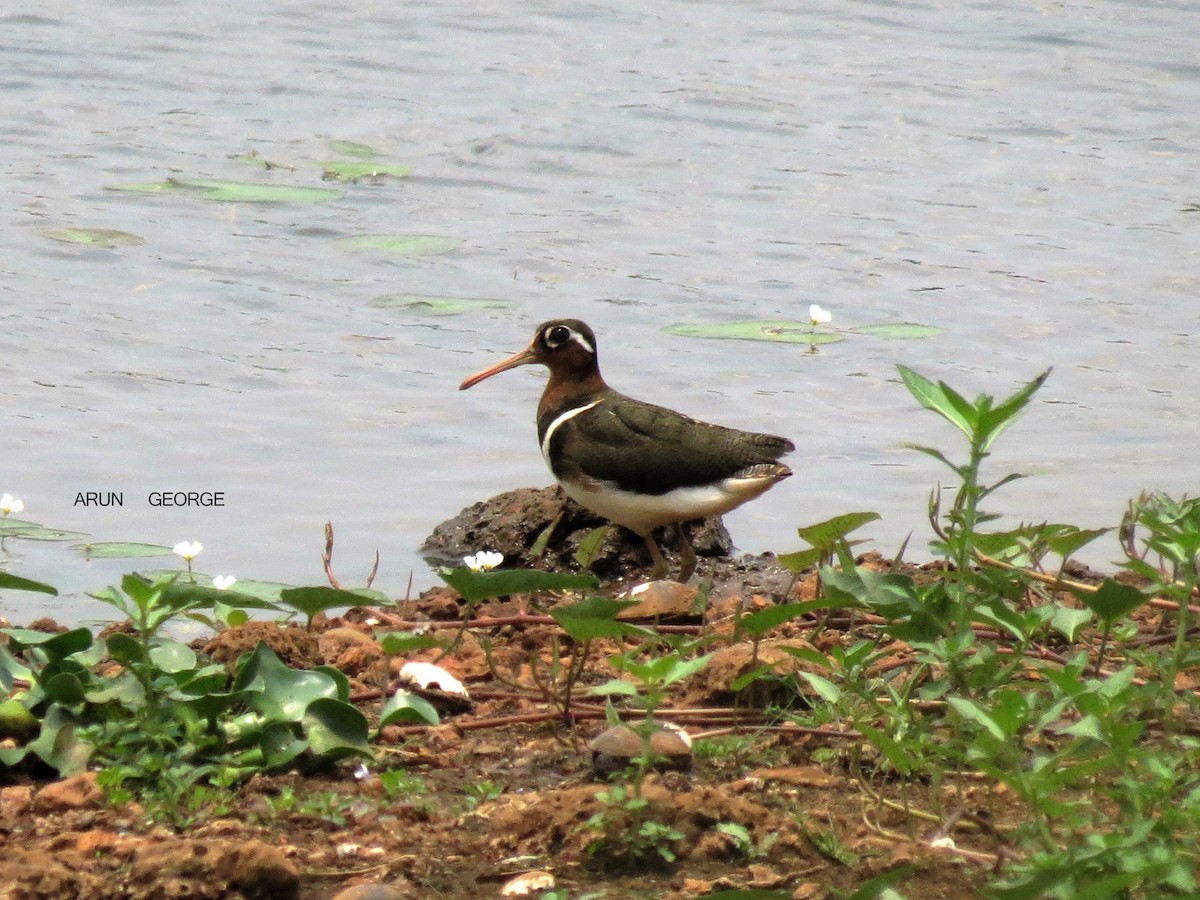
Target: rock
x=511 y=524
x=77 y=792
x=216 y=869
x=371 y=892
x=617 y=748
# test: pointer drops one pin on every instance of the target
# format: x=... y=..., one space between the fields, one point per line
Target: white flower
x=189 y=550
x=819 y=316
x=10 y=504
x=220 y=582
x=483 y=560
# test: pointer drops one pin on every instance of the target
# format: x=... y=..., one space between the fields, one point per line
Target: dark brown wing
x=650 y=449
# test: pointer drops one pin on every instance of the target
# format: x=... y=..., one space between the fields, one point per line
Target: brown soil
x=787 y=787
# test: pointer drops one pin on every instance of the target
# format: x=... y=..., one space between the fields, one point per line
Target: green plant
x=629 y=837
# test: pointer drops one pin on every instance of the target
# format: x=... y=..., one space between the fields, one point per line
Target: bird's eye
x=557 y=335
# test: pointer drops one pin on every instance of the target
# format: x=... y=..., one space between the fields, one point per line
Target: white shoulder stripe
x=569 y=414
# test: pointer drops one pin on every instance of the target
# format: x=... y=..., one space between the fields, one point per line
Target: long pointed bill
x=524 y=358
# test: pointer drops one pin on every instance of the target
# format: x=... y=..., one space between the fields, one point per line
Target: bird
x=639 y=465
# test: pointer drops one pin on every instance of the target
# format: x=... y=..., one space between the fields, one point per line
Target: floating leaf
x=435 y=306
x=898 y=330
x=96 y=237
x=122 y=550
x=353 y=170
x=32 y=531
x=776 y=330
x=402 y=244
x=352 y=148
x=234 y=191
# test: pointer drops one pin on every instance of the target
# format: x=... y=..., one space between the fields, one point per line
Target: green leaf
x=595 y=617
x=186 y=595
x=32 y=531
x=824 y=535
x=436 y=306
x=590 y=546
x=1066 y=540
x=828 y=691
x=311 y=600
x=352 y=171
x=171 y=656
x=56 y=645
x=477 y=586
x=800 y=560
x=401 y=244
x=1068 y=620
x=335 y=729
x=286 y=692
x=898 y=330
x=775 y=330
x=397 y=643
x=992 y=423
x=941 y=399
x=17 y=583
x=1112 y=600
x=405 y=706
x=973 y=712
x=107 y=238
x=280 y=746
x=122 y=550
x=233 y=191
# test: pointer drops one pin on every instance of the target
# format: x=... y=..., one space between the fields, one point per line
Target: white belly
x=641 y=513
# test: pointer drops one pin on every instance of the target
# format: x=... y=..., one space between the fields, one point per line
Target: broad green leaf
x=685 y=668
x=352 y=171
x=1067 y=539
x=233 y=191
x=186 y=595
x=65 y=688
x=898 y=330
x=335 y=729
x=286 y=692
x=312 y=600
x=405 y=706
x=16 y=721
x=595 y=617
x=401 y=244
x=774 y=330
x=172 y=656
x=58 y=744
x=95 y=237
x=280 y=745
x=57 y=645
x=436 y=306
x=615 y=687
x=993 y=422
x=1112 y=600
x=476 y=586
x=122 y=550
x=17 y=583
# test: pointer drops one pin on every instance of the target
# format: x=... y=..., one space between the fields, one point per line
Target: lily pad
x=776 y=330
x=234 y=191
x=353 y=148
x=352 y=170
x=122 y=550
x=898 y=330
x=435 y=306
x=402 y=244
x=94 y=237
x=32 y=531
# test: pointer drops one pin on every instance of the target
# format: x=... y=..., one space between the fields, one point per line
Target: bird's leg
x=688 y=567
x=660 y=563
